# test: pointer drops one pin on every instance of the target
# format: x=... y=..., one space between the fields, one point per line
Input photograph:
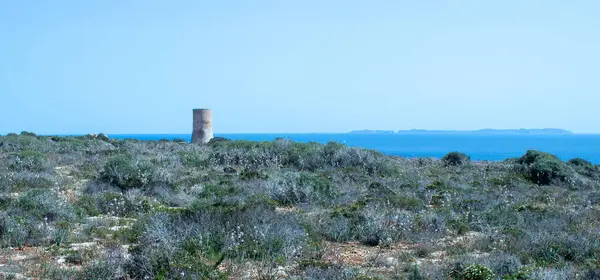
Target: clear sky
x=117 y=66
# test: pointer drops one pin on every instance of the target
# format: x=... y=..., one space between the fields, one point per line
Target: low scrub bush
x=543 y=168
x=88 y=205
x=329 y=272
x=15 y=230
x=585 y=168
x=477 y=272
x=558 y=273
x=196 y=159
x=37 y=217
x=503 y=264
x=372 y=223
x=194 y=242
x=28 y=161
x=248 y=174
x=560 y=247
x=25 y=180
x=301 y=187
x=111 y=265
x=111 y=203
x=455 y=159
x=580 y=162
x=127 y=172
x=43 y=204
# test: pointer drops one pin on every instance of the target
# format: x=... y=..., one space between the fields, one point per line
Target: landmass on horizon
x=487 y=131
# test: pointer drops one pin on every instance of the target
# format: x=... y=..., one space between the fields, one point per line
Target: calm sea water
x=478 y=147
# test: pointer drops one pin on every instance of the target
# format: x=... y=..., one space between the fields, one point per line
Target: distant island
x=541 y=131
x=367 y=131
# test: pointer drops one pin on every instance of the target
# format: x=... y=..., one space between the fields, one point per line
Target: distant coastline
x=540 y=131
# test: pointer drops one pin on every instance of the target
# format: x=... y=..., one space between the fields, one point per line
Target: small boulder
x=102 y=137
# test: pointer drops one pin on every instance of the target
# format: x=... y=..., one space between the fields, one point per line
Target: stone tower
x=202 y=132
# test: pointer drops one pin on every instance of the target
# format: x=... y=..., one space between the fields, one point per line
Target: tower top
x=202 y=126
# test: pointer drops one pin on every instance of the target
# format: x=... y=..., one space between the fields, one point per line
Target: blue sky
x=141 y=66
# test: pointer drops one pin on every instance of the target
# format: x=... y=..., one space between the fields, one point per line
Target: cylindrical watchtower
x=202 y=132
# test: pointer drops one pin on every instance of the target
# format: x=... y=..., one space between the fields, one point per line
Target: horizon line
x=283 y=133
x=374 y=131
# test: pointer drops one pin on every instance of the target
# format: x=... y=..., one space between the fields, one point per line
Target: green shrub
x=455 y=159
x=44 y=204
x=248 y=174
x=320 y=184
x=543 y=168
x=62 y=233
x=37 y=217
x=378 y=190
x=15 y=230
x=591 y=274
x=127 y=172
x=505 y=264
x=193 y=266
x=561 y=247
x=215 y=141
x=302 y=187
x=525 y=273
x=194 y=159
x=405 y=201
x=88 y=205
x=28 y=161
x=114 y=204
x=580 y=162
x=196 y=241
x=460 y=225
x=414 y=273
x=219 y=191
x=101 y=270
x=477 y=272
x=369 y=222
x=26 y=181
x=585 y=168
x=5 y=201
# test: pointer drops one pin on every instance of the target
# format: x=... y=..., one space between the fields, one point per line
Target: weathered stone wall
x=202 y=131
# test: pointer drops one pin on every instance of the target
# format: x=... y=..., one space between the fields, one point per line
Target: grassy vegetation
x=94 y=208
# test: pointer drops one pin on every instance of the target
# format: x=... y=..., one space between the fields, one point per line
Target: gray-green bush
x=543 y=168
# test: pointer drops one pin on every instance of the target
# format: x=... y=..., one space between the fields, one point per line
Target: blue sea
x=478 y=147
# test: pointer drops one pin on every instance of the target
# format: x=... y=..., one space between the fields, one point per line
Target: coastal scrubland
x=90 y=207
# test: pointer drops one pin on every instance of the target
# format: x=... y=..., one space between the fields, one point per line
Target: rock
x=102 y=137
x=281 y=272
x=390 y=261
